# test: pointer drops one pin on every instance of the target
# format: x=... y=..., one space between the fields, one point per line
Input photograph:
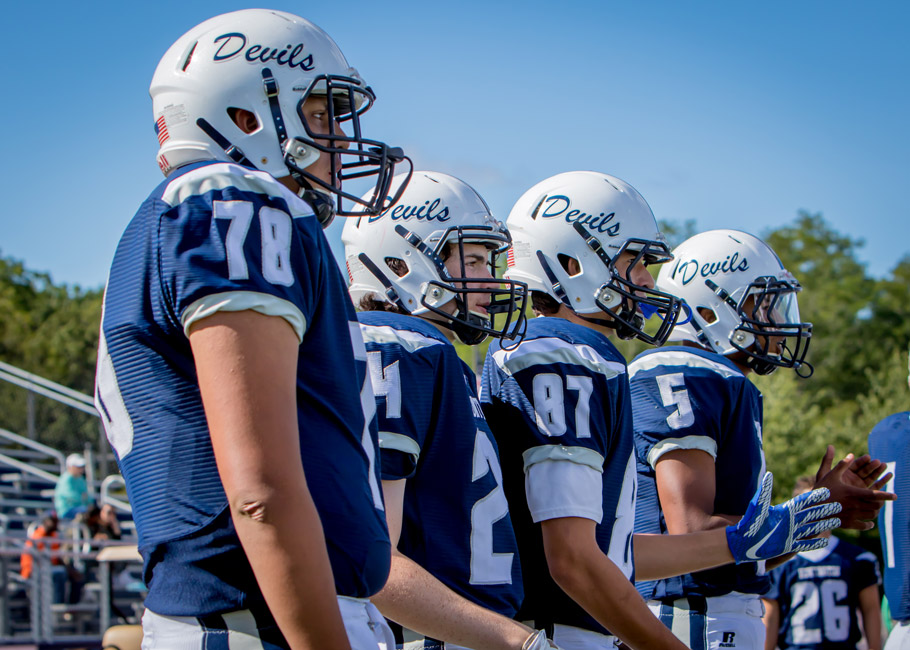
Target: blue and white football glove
x=767 y=531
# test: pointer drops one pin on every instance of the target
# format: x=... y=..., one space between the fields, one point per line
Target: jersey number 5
x=682 y=416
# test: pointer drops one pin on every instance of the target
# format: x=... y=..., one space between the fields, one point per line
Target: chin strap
x=233 y=152
x=554 y=281
x=390 y=291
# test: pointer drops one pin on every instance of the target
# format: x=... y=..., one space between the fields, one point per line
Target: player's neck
x=738 y=359
x=446 y=332
x=588 y=321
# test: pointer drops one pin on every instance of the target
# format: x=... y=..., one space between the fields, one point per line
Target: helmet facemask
x=769 y=311
x=508 y=301
x=351 y=156
x=629 y=304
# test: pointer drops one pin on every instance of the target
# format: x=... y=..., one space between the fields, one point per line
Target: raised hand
x=856 y=484
x=767 y=531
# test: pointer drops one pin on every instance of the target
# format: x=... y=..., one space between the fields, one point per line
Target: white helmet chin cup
x=398 y=256
x=268 y=63
x=591 y=218
x=715 y=273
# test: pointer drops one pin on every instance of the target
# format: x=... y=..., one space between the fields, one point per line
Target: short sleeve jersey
x=558 y=405
x=685 y=398
x=432 y=432
x=219 y=237
x=889 y=442
x=818 y=594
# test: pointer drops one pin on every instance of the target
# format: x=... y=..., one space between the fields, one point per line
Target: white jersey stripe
x=410 y=341
x=262 y=303
x=227 y=175
x=680 y=358
x=579 y=455
x=547 y=351
x=704 y=443
x=399 y=442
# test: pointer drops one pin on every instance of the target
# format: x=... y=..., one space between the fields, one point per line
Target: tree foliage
x=52 y=331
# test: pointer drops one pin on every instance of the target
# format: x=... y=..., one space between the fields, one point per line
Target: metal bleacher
x=112 y=592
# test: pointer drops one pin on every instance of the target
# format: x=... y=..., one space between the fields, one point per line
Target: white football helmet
x=267 y=62
x=592 y=218
x=718 y=271
x=436 y=210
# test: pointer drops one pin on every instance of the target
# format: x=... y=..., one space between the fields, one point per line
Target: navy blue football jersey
x=687 y=398
x=432 y=432
x=217 y=236
x=818 y=593
x=889 y=442
x=558 y=404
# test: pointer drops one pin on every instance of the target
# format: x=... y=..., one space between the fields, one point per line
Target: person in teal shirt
x=71 y=492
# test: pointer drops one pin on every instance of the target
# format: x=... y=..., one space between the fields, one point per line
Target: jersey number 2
x=824 y=597
x=487 y=567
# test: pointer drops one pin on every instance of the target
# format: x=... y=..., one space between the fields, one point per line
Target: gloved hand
x=767 y=531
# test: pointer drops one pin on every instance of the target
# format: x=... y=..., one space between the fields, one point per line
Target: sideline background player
x=229 y=349
x=813 y=598
x=889 y=440
x=422 y=272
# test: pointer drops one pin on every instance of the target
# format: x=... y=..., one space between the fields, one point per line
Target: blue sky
x=732 y=114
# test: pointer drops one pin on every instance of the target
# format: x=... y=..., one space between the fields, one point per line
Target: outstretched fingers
x=809 y=514
x=815 y=528
x=808 y=499
x=810 y=544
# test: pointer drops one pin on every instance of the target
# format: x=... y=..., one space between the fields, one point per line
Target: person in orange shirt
x=61 y=573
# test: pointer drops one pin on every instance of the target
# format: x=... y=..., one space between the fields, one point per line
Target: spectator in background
x=101 y=523
x=71 y=492
x=813 y=598
x=108 y=524
x=61 y=573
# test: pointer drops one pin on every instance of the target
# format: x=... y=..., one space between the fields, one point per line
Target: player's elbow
x=261 y=501
x=567 y=567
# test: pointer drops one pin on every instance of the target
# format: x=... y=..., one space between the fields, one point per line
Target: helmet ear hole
x=398 y=266
x=707 y=314
x=569 y=264
x=245 y=120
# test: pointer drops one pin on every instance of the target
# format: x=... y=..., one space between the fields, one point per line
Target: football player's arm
x=771 y=619
x=415 y=599
x=870 y=609
x=665 y=556
x=246 y=363
x=593 y=581
x=686 y=488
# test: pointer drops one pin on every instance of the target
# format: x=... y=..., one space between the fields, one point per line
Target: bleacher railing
x=38 y=590
x=48 y=388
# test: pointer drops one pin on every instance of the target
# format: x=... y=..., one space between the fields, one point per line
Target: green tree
x=835 y=299
x=52 y=331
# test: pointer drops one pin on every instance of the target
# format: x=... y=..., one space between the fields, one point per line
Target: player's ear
x=244 y=119
x=569 y=264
